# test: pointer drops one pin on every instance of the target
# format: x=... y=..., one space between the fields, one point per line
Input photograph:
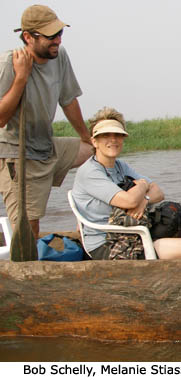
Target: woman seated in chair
x=99 y=189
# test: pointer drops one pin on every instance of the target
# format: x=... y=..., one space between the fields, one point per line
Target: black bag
x=165 y=220
x=127 y=183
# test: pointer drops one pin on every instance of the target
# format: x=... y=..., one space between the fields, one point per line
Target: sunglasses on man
x=58 y=34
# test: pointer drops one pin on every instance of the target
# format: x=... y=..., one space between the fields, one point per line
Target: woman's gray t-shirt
x=93 y=189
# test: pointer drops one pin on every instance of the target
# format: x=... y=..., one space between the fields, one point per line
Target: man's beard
x=45 y=53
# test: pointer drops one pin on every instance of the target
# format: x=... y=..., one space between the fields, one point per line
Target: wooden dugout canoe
x=118 y=300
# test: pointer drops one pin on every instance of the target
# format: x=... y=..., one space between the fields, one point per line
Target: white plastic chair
x=140 y=230
x=7 y=231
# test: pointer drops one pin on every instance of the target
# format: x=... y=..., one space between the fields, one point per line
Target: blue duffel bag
x=73 y=251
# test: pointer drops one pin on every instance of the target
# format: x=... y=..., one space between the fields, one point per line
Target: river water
x=164 y=168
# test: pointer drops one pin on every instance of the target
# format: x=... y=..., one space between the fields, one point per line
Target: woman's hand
x=142 y=181
x=138 y=211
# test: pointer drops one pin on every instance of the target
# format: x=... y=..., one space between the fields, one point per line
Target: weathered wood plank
x=120 y=300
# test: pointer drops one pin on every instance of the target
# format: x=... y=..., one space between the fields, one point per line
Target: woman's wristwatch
x=147 y=197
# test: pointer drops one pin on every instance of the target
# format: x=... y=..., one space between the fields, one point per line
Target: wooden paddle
x=23 y=243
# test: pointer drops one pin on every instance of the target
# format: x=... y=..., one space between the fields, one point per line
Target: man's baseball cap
x=42 y=19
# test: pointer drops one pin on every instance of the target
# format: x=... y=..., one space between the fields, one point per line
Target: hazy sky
x=125 y=53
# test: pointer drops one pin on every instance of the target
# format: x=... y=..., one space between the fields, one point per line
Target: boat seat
x=140 y=230
x=6 y=229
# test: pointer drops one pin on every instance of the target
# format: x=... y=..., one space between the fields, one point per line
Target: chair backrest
x=80 y=220
x=7 y=232
x=140 y=230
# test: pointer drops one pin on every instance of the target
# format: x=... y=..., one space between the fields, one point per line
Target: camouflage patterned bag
x=123 y=246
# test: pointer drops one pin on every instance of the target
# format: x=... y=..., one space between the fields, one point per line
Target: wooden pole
x=23 y=244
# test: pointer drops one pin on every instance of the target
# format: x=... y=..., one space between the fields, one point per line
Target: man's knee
x=34 y=226
x=85 y=151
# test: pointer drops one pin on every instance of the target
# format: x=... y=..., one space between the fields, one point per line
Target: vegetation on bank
x=155 y=134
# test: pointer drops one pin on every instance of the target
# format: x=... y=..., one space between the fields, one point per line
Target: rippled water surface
x=79 y=350
x=164 y=167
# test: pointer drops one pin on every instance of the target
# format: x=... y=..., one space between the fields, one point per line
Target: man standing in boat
x=43 y=70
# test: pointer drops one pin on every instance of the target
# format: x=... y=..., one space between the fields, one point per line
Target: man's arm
x=22 y=64
x=73 y=113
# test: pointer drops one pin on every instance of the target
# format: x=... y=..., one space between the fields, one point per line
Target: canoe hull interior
x=117 y=300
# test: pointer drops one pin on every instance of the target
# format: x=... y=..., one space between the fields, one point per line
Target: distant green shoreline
x=147 y=135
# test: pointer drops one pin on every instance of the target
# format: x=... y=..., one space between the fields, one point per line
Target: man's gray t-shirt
x=49 y=84
x=94 y=187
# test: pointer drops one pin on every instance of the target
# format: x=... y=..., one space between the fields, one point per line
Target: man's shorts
x=40 y=177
